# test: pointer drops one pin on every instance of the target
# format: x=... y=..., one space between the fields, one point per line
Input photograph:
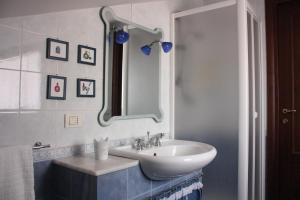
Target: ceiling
x=14 y=8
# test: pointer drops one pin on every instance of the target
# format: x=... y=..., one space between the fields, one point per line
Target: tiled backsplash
x=26 y=116
x=61 y=152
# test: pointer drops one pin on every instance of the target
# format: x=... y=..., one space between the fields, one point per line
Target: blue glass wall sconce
x=166 y=46
x=121 y=37
x=146 y=49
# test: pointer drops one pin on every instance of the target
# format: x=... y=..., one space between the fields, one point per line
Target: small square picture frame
x=57 y=49
x=86 y=55
x=56 y=87
x=86 y=87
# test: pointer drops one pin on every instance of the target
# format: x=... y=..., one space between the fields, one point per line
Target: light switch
x=73 y=121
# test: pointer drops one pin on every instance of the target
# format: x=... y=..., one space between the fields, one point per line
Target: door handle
x=285 y=111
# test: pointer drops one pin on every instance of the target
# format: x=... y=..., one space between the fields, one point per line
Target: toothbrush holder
x=101 y=149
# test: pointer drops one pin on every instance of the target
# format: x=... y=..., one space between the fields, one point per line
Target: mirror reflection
x=132 y=70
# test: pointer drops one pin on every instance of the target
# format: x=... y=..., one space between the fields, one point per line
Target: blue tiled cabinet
x=127 y=184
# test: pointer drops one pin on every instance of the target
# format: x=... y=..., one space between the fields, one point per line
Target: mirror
x=131 y=74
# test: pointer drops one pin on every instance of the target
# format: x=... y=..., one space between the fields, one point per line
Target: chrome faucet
x=155 y=140
x=139 y=144
x=148 y=144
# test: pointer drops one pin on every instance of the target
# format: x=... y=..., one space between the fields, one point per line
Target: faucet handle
x=161 y=135
x=139 y=139
x=156 y=139
x=139 y=143
x=148 y=135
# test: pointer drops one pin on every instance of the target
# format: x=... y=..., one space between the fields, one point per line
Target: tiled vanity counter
x=84 y=178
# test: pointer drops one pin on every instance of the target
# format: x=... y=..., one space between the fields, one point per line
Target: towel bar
x=39 y=145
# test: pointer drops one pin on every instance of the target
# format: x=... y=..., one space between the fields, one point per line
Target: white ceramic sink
x=174 y=158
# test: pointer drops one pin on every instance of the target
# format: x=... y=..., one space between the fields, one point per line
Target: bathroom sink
x=172 y=159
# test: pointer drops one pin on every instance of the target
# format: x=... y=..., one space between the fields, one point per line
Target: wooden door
x=288 y=30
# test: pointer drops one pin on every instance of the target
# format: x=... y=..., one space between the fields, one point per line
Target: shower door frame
x=243 y=159
x=262 y=103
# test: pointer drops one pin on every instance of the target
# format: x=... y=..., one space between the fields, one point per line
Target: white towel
x=16 y=173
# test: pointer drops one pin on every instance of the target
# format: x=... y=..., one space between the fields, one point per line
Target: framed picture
x=85 y=88
x=86 y=55
x=56 y=87
x=57 y=49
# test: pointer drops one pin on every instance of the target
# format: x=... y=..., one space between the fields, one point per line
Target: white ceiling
x=14 y=8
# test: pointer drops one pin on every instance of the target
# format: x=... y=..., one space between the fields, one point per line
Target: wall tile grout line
x=23 y=110
x=39 y=34
x=127 y=183
x=20 y=69
x=151 y=188
x=11 y=27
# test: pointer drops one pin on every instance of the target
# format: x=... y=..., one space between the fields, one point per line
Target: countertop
x=87 y=164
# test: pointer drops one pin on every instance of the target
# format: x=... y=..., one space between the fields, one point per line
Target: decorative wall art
x=86 y=55
x=56 y=87
x=85 y=88
x=57 y=49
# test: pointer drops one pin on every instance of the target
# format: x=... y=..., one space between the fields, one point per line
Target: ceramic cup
x=101 y=149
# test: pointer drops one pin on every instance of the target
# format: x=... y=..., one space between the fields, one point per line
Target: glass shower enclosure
x=214 y=94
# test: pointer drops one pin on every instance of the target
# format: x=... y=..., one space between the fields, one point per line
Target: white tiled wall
x=26 y=115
